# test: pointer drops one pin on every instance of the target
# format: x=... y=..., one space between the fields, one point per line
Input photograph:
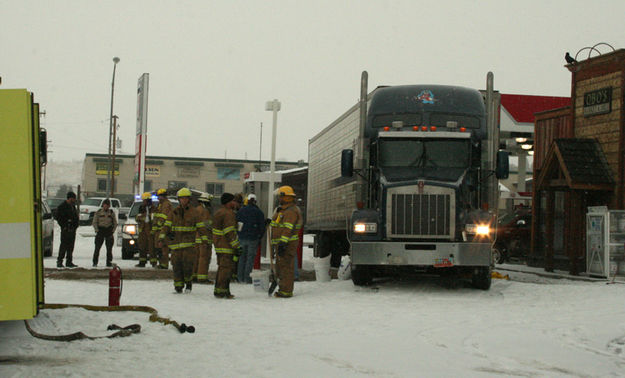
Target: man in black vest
x=67 y=217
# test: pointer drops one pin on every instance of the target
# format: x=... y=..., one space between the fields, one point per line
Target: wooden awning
x=576 y=164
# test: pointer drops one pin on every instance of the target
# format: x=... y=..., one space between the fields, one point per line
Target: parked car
x=129 y=232
x=53 y=203
x=89 y=206
x=47 y=228
x=513 y=235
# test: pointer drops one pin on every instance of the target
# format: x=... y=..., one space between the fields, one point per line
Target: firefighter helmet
x=205 y=197
x=286 y=191
x=146 y=195
x=184 y=192
x=161 y=192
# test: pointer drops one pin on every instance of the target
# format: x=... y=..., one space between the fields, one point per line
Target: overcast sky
x=214 y=64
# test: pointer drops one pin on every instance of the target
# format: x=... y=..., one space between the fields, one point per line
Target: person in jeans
x=67 y=218
x=104 y=224
x=251 y=222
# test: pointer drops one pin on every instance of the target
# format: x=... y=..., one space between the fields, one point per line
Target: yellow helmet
x=161 y=192
x=146 y=195
x=184 y=192
x=286 y=191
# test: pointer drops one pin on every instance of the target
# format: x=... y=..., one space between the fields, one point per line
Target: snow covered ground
x=527 y=326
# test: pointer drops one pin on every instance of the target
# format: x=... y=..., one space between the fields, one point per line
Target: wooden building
x=579 y=161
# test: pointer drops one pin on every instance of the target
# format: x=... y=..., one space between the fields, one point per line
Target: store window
x=215 y=189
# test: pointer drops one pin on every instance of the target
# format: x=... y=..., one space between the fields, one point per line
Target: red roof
x=523 y=107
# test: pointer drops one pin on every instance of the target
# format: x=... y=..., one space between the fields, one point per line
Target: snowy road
x=528 y=326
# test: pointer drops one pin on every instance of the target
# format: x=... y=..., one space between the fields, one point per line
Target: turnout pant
x=163 y=252
x=286 y=269
x=200 y=268
x=224 y=273
x=182 y=264
x=68 y=237
x=100 y=238
x=146 y=248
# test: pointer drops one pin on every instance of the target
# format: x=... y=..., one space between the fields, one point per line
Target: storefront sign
x=189 y=172
x=152 y=171
x=103 y=169
x=598 y=102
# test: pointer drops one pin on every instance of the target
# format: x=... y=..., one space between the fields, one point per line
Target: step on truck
x=406 y=182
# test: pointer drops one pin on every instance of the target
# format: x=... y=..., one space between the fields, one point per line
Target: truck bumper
x=421 y=254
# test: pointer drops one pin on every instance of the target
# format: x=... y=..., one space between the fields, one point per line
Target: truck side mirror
x=43 y=146
x=347 y=163
x=503 y=165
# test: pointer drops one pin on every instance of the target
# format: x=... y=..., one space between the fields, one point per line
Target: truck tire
x=498 y=255
x=127 y=254
x=361 y=275
x=481 y=278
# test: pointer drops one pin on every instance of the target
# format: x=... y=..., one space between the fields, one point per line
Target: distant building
x=214 y=176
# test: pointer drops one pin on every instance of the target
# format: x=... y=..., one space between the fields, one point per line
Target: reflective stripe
x=198 y=240
x=199 y=224
x=274 y=224
x=181 y=245
x=202 y=276
x=284 y=238
x=285 y=294
x=16 y=242
x=229 y=229
x=178 y=284
x=184 y=228
x=235 y=243
x=167 y=223
x=218 y=232
x=275 y=241
x=287 y=225
x=219 y=290
x=223 y=250
x=205 y=237
x=294 y=237
x=160 y=215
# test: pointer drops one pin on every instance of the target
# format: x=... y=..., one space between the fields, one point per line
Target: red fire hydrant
x=115 y=285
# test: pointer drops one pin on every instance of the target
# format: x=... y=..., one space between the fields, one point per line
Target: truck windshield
x=92 y=202
x=424 y=153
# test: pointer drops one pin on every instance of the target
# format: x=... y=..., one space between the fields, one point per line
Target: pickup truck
x=128 y=232
x=89 y=206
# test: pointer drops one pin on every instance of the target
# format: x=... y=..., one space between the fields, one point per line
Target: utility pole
x=260 y=152
x=114 y=149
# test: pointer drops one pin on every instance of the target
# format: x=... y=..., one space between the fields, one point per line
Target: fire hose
x=121 y=331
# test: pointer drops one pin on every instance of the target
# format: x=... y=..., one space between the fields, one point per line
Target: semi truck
x=406 y=182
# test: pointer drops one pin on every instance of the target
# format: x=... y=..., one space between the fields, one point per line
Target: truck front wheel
x=481 y=278
x=361 y=275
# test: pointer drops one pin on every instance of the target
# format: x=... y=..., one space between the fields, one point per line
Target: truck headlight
x=130 y=229
x=478 y=229
x=361 y=227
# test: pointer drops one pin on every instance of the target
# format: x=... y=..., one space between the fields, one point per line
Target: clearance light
x=463 y=129
x=361 y=228
x=415 y=128
x=432 y=128
x=131 y=242
x=386 y=128
x=424 y=128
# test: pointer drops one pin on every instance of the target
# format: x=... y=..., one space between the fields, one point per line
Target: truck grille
x=421 y=215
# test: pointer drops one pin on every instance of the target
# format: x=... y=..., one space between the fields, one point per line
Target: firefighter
x=145 y=219
x=163 y=210
x=226 y=245
x=285 y=225
x=181 y=228
x=204 y=243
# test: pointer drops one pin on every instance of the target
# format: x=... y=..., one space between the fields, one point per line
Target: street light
x=272 y=106
x=111 y=167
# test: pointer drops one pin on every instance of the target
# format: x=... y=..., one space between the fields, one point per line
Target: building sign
x=152 y=171
x=224 y=173
x=598 y=102
x=103 y=169
x=189 y=172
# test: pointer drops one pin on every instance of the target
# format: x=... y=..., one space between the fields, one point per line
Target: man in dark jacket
x=251 y=229
x=67 y=218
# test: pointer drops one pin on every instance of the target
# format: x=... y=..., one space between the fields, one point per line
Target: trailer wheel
x=481 y=278
x=361 y=275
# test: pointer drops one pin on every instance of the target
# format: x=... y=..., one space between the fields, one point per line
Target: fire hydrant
x=115 y=285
